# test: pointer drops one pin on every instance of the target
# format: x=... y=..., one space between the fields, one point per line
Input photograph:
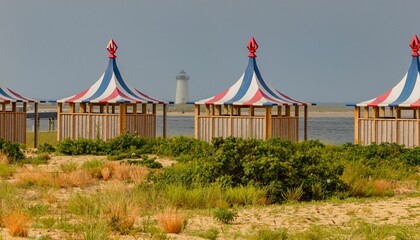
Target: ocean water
x=330 y=130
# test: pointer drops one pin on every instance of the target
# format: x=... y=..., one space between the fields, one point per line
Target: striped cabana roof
x=407 y=92
x=111 y=88
x=251 y=89
x=7 y=96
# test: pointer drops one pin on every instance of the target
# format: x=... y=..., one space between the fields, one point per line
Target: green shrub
x=224 y=215
x=46 y=148
x=12 y=150
x=94 y=167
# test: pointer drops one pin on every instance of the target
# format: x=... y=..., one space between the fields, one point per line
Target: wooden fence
x=400 y=131
x=246 y=127
x=13 y=126
x=104 y=126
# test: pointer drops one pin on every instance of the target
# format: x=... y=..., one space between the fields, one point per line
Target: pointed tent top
x=112 y=48
x=252 y=47
x=415 y=46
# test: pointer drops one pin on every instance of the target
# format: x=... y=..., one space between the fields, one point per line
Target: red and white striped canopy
x=251 y=89
x=407 y=92
x=111 y=88
x=7 y=95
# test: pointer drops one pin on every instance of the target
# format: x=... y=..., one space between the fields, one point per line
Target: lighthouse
x=182 y=88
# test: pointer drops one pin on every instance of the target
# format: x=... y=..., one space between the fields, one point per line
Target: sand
x=401 y=210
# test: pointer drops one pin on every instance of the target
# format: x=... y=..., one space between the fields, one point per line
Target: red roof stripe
x=218 y=97
x=379 y=99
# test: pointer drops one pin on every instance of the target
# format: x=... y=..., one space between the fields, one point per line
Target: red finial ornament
x=252 y=47
x=112 y=48
x=415 y=45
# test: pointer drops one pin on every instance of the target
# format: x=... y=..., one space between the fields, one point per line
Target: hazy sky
x=320 y=51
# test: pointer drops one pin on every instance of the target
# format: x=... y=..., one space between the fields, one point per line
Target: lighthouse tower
x=182 y=88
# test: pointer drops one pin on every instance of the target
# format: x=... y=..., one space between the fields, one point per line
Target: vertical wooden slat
x=356 y=125
x=297 y=123
x=268 y=127
x=36 y=127
x=196 y=123
x=164 y=121
x=59 y=123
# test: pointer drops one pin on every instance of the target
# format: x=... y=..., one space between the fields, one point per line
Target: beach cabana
x=13 y=107
x=108 y=108
x=250 y=108
x=395 y=115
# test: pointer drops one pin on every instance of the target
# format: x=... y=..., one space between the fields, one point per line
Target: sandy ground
x=402 y=210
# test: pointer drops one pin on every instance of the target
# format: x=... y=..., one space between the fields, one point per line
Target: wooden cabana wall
x=259 y=122
x=387 y=124
x=107 y=120
x=13 y=122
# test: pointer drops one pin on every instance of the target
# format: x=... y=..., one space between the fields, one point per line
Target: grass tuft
x=17 y=223
x=171 y=220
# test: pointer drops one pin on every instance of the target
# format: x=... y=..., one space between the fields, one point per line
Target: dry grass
x=17 y=223
x=171 y=220
x=120 y=210
x=382 y=186
x=124 y=171
x=79 y=178
x=3 y=158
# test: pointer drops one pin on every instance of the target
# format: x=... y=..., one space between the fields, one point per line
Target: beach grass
x=43 y=137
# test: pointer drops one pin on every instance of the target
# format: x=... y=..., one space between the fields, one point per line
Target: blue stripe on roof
x=2 y=92
x=122 y=83
x=264 y=85
x=105 y=81
x=409 y=83
x=246 y=82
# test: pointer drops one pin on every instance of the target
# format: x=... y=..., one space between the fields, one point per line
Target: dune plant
x=94 y=229
x=245 y=195
x=17 y=223
x=171 y=220
x=6 y=170
x=69 y=166
x=225 y=215
x=292 y=194
x=94 y=167
x=268 y=234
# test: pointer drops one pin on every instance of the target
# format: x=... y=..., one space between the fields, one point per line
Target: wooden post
x=268 y=125
x=196 y=126
x=90 y=123
x=164 y=121
x=82 y=108
x=123 y=110
x=207 y=110
x=305 y=122
x=136 y=127
x=218 y=110
x=375 y=125
x=297 y=122
x=225 y=109
x=418 y=126
x=397 y=117
x=356 y=124
x=381 y=111
x=144 y=108
x=231 y=121
x=366 y=112
x=72 y=110
x=36 y=126
x=59 y=110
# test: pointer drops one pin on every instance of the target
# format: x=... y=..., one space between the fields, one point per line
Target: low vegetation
x=129 y=192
